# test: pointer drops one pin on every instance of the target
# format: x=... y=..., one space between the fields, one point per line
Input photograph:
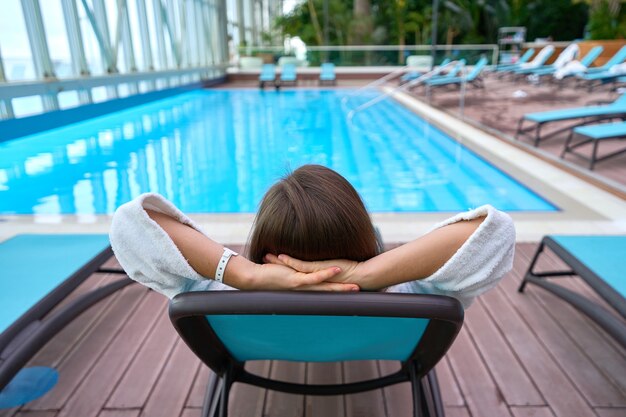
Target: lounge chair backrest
x=480 y=65
x=542 y=56
x=567 y=55
x=591 y=56
x=524 y=58
x=420 y=61
x=288 y=69
x=456 y=68
x=328 y=68
x=446 y=61
x=226 y=328
x=616 y=59
x=268 y=69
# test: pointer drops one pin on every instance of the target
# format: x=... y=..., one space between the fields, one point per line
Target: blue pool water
x=217 y=151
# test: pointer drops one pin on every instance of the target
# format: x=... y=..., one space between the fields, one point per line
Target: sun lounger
x=595 y=134
x=412 y=75
x=589 y=114
x=600 y=262
x=38 y=272
x=288 y=75
x=268 y=75
x=538 y=61
x=523 y=59
x=567 y=55
x=327 y=74
x=473 y=78
x=225 y=329
x=618 y=58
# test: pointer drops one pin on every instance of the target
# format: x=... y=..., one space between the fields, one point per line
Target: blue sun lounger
x=595 y=134
x=473 y=78
x=38 y=272
x=227 y=328
x=589 y=114
x=288 y=75
x=268 y=75
x=600 y=262
x=586 y=61
x=412 y=75
x=509 y=67
x=327 y=74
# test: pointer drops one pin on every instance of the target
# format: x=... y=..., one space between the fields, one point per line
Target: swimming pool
x=217 y=151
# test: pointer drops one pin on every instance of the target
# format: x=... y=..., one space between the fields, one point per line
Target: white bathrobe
x=150 y=257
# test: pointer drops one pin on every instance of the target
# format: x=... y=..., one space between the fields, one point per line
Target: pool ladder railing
x=406 y=86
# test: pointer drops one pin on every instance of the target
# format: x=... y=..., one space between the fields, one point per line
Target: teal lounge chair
x=268 y=75
x=618 y=58
x=473 y=78
x=38 y=272
x=327 y=74
x=228 y=328
x=589 y=114
x=288 y=75
x=567 y=55
x=509 y=67
x=412 y=75
x=595 y=134
x=600 y=262
x=586 y=61
x=538 y=61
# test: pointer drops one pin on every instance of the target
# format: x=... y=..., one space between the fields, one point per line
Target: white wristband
x=221 y=266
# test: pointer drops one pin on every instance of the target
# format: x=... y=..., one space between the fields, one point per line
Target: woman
x=312 y=232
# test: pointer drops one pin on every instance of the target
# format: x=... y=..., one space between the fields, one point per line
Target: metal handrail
x=406 y=86
x=375 y=83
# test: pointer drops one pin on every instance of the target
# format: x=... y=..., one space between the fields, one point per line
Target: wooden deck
x=518 y=355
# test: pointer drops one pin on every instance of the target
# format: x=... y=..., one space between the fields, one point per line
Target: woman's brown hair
x=313 y=214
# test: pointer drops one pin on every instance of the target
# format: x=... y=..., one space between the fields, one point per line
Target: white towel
x=480 y=263
x=147 y=253
x=566 y=56
x=540 y=59
x=150 y=257
x=571 y=68
x=618 y=69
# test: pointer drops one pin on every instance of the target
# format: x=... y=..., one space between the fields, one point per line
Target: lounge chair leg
x=594 y=155
x=519 y=128
x=211 y=397
x=226 y=384
x=416 y=388
x=567 y=143
x=530 y=272
x=537 y=135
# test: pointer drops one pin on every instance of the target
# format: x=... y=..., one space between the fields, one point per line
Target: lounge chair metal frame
x=537 y=138
x=188 y=314
x=20 y=341
x=593 y=159
x=605 y=319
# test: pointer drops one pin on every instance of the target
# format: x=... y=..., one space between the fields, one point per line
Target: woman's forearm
x=415 y=260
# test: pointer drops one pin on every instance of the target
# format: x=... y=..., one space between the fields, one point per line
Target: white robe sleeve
x=479 y=264
x=148 y=254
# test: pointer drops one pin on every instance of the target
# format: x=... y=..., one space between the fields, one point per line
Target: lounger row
x=580 y=116
x=289 y=75
x=566 y=66
x=453 y=78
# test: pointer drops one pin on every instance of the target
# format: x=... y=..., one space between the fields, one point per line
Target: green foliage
x=408 y=22
x=607 y=20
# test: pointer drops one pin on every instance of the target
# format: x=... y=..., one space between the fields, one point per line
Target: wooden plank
x=119 y=413
x=199 y=387
x=510 y=376
x=561 y=395
x=364 y=404
x=97 y=386
x=532 y=412
x=172 y=388
x=450 y=391
x=398 y=398
x=62 y=343
x=247 y=400
x=552 y=319
x=611 y=412
x=480 y=391
x=324 y=406
x=280 y=403
x=82 y=358
x=134 y=388
x=457 y=411
x=36 y=414
x=191 y=412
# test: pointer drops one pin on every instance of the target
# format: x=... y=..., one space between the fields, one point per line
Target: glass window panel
x=144 y=86
x=93 y=54
x=152 y=30
x=135 y=35
x=99 y=94
x=26 y=106
x=123 y=90
x=68 y=99
x=56 y=34
x=16 y=53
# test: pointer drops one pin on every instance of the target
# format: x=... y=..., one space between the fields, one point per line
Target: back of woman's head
x=313 y=214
